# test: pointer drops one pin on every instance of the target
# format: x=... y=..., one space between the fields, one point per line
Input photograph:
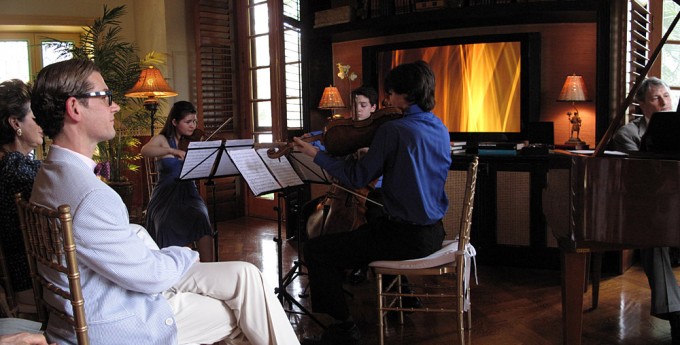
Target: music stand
x=266 y=175
x=203 y=160
x=661 y=135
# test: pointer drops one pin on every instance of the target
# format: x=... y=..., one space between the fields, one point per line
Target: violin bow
x=357 y=194
x=218 y=128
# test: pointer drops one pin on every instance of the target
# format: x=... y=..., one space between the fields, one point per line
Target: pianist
x=654 y=96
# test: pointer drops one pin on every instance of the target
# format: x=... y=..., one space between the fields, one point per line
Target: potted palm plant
x=120 y=66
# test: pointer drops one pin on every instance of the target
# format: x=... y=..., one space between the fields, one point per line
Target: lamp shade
x=574 y=90
x=151 y=85
x=331 y=98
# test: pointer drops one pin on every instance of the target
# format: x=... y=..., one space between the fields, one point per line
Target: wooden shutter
x=216 y=96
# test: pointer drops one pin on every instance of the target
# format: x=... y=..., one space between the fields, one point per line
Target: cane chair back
x=51 y=251
x=151 y=174
x=452 y=260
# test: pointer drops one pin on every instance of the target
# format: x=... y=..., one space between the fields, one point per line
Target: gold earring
x=18 y=132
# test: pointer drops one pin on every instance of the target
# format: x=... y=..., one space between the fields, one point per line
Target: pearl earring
x=18 y=132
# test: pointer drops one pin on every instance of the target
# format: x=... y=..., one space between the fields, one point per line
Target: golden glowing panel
x=477 y=85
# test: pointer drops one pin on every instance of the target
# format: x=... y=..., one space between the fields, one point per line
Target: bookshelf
x=372 y=18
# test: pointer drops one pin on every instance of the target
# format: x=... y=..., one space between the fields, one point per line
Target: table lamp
x=574 y=90
x=331 y=99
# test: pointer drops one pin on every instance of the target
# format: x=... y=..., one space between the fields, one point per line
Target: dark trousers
x=328 y=256
x=665 y=291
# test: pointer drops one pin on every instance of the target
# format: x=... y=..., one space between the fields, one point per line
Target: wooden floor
x=509 y=305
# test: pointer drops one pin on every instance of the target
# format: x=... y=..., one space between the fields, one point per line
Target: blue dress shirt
x=413 y=154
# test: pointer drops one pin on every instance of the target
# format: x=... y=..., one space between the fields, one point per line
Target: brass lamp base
x=576 y=143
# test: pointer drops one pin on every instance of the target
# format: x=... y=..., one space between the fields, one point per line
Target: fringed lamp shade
x=151 y=85
x=574 y=90
x=331 y=99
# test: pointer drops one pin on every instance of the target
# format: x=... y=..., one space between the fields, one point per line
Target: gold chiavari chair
x=453 y=260
x=51 y=251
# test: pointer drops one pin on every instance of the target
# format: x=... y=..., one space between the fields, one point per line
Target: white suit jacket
x=121 y=277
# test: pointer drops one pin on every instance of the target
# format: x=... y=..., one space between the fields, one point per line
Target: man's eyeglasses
x=106 y=93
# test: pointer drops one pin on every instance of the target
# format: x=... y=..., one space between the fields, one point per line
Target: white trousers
x=220 y=300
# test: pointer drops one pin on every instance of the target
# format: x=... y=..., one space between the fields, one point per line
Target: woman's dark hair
x=179 y=111
x=54 y=85
x=15 y=100
x=415 y=80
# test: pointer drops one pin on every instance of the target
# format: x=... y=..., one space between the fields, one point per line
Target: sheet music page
x=307 y=169
x=199 y=159
x=254 y=171
x=226 y=167
x=281 y=169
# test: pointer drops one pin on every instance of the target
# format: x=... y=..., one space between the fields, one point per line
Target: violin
x=281 y=149
x=344 y=136
x=184 y=141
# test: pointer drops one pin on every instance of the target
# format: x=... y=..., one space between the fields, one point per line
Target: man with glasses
x=134 y=293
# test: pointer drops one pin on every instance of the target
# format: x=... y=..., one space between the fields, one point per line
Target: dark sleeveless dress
x=176 y=215
x=16 y=175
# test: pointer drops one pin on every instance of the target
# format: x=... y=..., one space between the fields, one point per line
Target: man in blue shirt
x=413 y=156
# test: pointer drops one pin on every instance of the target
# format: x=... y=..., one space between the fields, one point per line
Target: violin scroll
x=281 y=149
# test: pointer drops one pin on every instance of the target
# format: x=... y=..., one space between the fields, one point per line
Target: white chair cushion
x=443 y=256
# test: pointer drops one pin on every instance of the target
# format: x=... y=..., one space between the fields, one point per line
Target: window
x=24 y=54
x=275 y=101
x=670 y=53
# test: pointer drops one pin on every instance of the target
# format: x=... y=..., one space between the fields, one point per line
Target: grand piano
x=605 y=202
x=613 y=203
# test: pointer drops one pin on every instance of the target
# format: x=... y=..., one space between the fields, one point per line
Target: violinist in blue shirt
x=413 y=156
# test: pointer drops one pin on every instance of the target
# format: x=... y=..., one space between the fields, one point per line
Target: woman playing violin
x=413 y=156
x=177 y=215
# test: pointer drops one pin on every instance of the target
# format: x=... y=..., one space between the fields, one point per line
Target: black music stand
x=266 y=175
x=203 y=160
x=286 y=279
x=661 y=136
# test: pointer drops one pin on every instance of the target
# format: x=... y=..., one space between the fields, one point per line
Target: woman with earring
x=19 y=136
x=176 y=214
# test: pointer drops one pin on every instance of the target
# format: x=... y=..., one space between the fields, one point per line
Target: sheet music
x=281 y=169
x=253 y=169
x=202 y=155
x=226 y=166
x=199 y=160
x=307 y=169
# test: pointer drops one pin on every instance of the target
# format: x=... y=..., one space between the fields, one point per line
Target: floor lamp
x=151 y=85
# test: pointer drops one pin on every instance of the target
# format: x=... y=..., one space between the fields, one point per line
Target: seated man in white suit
x=134 y=294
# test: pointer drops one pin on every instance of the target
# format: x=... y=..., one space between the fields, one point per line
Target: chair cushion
x=445 y=255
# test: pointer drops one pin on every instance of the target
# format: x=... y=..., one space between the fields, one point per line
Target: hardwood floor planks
x=509 y=306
